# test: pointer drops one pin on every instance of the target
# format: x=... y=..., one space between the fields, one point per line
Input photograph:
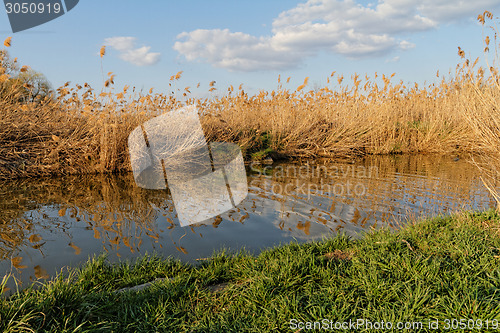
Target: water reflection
x=48 y=224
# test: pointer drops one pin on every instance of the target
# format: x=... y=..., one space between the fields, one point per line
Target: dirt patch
x=217 y=288
x=338 y=255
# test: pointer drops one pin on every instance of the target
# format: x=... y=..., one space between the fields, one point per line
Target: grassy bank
x=82 y=130
x=442 y=268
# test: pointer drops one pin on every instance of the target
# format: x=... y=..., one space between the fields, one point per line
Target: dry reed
x=480 y=107
x=78 y=130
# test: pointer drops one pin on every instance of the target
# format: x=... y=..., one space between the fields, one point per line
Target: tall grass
x=481 y=106
x=79 y=130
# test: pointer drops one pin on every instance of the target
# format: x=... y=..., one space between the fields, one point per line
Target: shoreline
x=266 y=159
x=434 y=269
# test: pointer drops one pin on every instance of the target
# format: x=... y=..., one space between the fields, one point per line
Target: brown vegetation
x=78 y=130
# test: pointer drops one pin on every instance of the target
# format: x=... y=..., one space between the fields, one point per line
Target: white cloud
x=395 y=59
x=444 y=11
x=342 y=27
x=120 y=43
x=136 y=56
x=235 y=50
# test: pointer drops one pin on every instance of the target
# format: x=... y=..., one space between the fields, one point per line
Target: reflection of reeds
x=121 y=214
x=393 y=190
x=116 y=209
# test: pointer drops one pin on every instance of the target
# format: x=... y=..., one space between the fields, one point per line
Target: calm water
x=49 y=224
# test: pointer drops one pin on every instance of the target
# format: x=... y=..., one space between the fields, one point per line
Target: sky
x=250 y=42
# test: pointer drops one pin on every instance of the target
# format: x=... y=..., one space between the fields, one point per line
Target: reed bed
x=76 y=130
x=480 y=107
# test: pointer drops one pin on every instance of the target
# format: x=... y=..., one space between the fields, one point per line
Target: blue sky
x=250 y=42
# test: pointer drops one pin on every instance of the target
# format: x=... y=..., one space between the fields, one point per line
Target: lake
x=49 y=224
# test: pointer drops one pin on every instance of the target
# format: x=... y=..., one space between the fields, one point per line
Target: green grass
x=442 y=268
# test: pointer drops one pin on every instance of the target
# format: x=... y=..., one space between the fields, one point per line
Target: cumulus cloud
x=444 y=11
x=136 y=56
x=395 y=59
x=236 y=50
x=342 y=27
